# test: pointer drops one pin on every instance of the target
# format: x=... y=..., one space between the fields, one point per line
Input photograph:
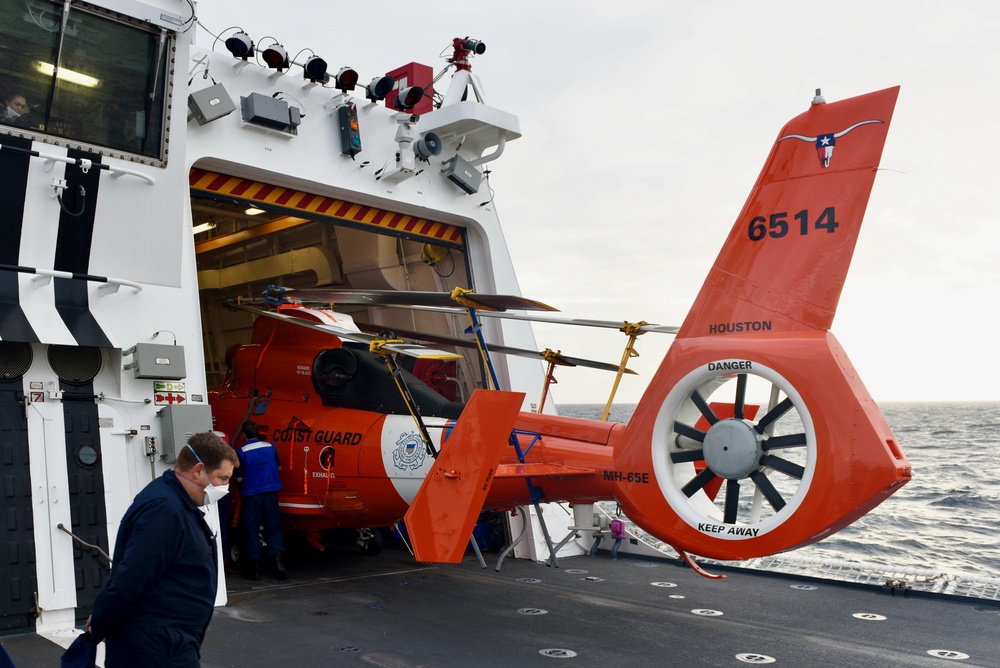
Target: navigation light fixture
x=379 y=88
x=240 y=45
x=314 y=70
x=346 y=79
x=276 y=57
x=408 y=98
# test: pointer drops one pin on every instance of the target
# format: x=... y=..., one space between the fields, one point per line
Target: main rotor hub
x=732 y=449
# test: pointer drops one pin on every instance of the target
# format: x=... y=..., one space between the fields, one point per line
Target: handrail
x=82 y=542
x=84 y=164
x=43 y=276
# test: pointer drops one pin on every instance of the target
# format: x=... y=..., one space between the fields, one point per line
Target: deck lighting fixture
x=315 y=70
x=379 y=88
x=204 y=227
x=253 y=211
x=70 y=76
x=346 y=79
x=276 y=57
x=240 y=45
x=408 y=98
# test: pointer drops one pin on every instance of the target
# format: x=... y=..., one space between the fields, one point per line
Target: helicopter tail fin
x=817 y=454
x=785 y=261
x=441 y=518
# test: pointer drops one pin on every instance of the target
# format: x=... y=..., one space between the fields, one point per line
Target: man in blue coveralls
x=259 y=486
x=156 y=605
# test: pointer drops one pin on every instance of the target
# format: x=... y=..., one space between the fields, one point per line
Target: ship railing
x=918 y=579
x=84 y=164
x=44 y=277
x=899 y=578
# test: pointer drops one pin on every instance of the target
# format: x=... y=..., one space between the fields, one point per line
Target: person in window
x=259 y=487
x=15 y=106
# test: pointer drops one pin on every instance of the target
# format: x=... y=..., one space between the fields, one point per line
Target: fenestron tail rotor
x=717 y=441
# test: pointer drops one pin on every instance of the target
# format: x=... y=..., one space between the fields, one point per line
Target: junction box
x=178 y=423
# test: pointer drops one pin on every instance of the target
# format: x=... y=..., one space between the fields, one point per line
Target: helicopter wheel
x=370 y=541
x=234 y=552
x=707 y=433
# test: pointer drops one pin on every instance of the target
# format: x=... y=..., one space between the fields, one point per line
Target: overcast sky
x=645 y=124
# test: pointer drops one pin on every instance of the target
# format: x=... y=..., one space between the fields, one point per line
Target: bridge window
x=72 y=74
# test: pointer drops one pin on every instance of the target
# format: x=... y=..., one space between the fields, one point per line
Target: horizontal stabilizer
x=443 y=513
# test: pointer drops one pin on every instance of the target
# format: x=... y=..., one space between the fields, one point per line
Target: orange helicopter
x=755 y=435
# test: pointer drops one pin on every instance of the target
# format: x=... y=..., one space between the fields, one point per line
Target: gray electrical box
x=179 y=423
x=270 y=112
x=460 y=172
x=210 y=103
x=157 y=362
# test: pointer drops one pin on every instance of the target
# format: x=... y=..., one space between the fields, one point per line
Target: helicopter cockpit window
x=79 y=77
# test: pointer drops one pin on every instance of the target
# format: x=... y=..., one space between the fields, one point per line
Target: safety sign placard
x=169 y=398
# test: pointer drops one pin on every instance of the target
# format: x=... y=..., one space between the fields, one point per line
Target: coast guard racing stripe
x=73 y=243
x=14 y=325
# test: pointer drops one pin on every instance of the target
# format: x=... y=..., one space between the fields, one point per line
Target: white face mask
x=12 y=114
x=213 y=493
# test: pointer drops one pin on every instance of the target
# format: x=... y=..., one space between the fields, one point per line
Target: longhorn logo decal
x=825 y=143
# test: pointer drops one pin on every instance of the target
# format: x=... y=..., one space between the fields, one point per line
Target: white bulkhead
x=125 y=186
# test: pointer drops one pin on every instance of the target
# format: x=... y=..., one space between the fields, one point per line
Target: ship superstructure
x=151 y=181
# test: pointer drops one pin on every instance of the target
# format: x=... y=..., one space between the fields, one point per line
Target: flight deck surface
x=590 y=611
x=390 y=611
x=343 y=608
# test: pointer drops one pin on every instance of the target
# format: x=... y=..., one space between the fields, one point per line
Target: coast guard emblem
x=410 y=452
x=825 y=143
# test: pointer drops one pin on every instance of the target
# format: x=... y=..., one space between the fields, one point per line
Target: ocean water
x=947 y=518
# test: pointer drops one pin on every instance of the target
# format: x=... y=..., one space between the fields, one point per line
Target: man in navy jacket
x=157 y=603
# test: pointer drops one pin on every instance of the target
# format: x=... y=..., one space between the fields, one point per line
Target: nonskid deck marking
x=948 y=654
x=532 y=611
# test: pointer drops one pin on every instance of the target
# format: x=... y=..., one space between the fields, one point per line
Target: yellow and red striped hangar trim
x=317 y=207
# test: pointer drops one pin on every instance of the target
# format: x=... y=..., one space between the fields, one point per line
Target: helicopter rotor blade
x=407 y=298
x=409 y=349
x=558 y=358
x=581 y=322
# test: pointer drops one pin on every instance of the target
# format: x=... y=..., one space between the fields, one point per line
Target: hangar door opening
x=250 y=235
